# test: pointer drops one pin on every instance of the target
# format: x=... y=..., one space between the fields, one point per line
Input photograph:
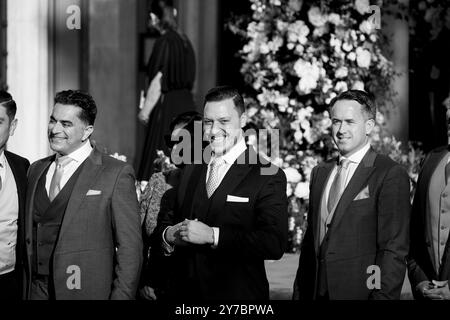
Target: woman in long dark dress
x=171 y=70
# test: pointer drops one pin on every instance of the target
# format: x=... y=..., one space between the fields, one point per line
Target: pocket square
x=363 y=194
x=231 y=198
x=93 y=193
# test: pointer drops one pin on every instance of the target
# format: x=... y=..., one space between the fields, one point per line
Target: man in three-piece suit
x=429 y=258
x=13 y=183
x=230 y=214
x=358 y=219
x=83 y=236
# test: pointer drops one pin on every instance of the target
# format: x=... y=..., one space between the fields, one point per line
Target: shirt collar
x=235 y=151
x=81 y=153
x=2 y=160
x=357 y=156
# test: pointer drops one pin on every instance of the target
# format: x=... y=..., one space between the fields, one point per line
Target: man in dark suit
x=13 y=183
x=357 y=237
x=83 y=236
x=230 y=213
x=428 y=259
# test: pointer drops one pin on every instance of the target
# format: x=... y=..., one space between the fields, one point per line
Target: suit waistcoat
x=9 y=213
x=439 y=211
x=47 y=219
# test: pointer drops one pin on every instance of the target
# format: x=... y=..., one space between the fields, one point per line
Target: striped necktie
x=55 y=185
x=214 y=178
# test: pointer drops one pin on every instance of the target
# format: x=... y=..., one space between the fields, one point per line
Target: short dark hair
x=7 y=101
x=80 y=99
x=224 y=93
x=365 y=99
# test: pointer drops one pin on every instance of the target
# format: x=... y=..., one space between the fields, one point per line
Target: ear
x=243 y=119
x=87 y=132
x=12 y=127
x=370 y=124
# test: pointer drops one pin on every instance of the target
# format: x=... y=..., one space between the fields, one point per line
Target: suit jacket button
x=28 y=241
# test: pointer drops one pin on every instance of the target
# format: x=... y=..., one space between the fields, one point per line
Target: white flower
x=297 y=32
x=291 y=219
x=264 y=48
x=292 y=175
x=295 y=5
x=341 y=86
x=358 y=85
x=302 y=190
x=327 y=85
x=347 y=46
x=362 y=6
x=316 y=17
x=290 y=46
x=309 y=75
x=320 y=31
x=251 y=111
x=366 y=27
x=363 y=57
x=373 y=37
x=281 y=25
x=298 y=136
x=351 y=56
x=341 y=72
x=334 y=18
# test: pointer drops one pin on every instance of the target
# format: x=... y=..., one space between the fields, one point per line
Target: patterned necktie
x=338 y=185
x=55 y=185
x=1 y=167
x=214 y=179
x=447 y=173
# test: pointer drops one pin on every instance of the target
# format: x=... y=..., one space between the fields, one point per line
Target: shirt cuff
x=216 y=237
x=168 y=249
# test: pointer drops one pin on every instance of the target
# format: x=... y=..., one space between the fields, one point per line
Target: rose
x=292 y=175
x=362 y=6
x=295 y=5
x=341 y=86
x=316 y=17
x=302 y=190
x=351 y=56
x=363 y=57
x=341 y=72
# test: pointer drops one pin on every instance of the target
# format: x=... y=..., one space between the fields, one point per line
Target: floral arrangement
x=297 y=56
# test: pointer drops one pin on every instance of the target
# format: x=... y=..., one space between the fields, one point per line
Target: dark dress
x=174 y=56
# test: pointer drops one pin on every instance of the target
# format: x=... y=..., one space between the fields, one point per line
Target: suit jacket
x=364 y=232
x=19 y=167
x=250 y=232
x=421 y=258
x=100 y=233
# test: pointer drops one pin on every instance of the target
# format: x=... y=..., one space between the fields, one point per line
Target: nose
x=342 y=128
x=55 y=127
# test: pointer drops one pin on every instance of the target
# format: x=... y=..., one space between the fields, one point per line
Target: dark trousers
x=9 y=286
x=40 y=288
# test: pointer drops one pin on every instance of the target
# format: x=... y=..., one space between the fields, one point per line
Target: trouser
x=40 y=288
x=9 y=286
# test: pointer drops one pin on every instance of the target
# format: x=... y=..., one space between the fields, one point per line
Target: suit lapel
x=20 y=181
x=88 y=176
x=318 y=188
x=359 y=178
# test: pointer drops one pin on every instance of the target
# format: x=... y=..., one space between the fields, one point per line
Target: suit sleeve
x=127 y=234
x=268 y=239
x=393 y=209
x=307 y=247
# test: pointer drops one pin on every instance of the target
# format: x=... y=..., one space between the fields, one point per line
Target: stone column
x=28 y=75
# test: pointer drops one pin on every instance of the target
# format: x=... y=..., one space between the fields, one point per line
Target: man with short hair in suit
x=429 y=258
x=82 y=217
x=358 y=221
x=13 y=183
x=230 y=214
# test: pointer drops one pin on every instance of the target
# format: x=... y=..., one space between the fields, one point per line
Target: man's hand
x=173 y=237
x=436 y=293
x=196 y=232
x=148 y=293
x=423 y=287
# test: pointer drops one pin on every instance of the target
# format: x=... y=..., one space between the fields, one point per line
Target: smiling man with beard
x=83 y=236
x=358 y=221
x=229 y=216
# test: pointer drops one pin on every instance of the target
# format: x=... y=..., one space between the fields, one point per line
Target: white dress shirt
x=77 y=156
x=9 y=213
